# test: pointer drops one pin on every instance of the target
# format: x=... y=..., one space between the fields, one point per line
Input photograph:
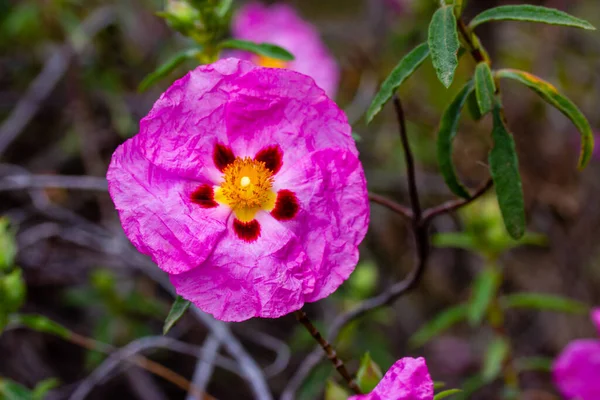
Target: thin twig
x=454 y=205
x=329 y=351
x=392 y=205
x=27 y=181
x=54 y=69
x=205 y=365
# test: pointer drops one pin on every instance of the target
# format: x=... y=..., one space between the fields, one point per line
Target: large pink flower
x=280 y=24
x=576 y=371
x=244 y=185
x=407 y=379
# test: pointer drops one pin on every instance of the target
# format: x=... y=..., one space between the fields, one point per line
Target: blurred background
x=69 y=72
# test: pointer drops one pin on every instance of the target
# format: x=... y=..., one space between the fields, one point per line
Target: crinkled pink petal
x=162 y=182
x=333 y=220
x=576 y=371
x=596 y=318
x=281 y=25
x=156 y=214
x=407 y=379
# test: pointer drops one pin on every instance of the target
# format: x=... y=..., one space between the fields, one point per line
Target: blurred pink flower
x=576 y=371
x=243 y=184
x=407 y=379
x=281 y=25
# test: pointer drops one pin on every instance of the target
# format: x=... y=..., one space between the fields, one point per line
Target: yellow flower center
x=270 y=62
x=246 y=188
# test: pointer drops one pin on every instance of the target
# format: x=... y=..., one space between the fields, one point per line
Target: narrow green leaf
x=262 y=49
x=333 y=391
x=484 y=88
x=483 y=292
x=543 y=302
x=167 y=67
x=446 y=134
x=444 y=44
x=470 y=386
x=405 y=68
x=541 y=364
x=446 y=393
x=42 y=388
x=526 y=12
x=223 y=8
x=504 y=168
x=457 y=240
x=10 y=390
x=41 y=324
x=494 y=358
x=368 y=375
x=179 y=307
x=440 y=323
x=473 y=107
x=437 y=385
x=549 y=93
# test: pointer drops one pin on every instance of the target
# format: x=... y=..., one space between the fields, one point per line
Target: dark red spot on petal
x=247 y=231
x=272 y=157
x=286 y=205
x=222 y=156
x=204 y=196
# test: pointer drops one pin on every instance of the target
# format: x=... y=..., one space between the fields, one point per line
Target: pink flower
x=407 y=379
x=244 y=185
x=280 y=24
x=576 y=371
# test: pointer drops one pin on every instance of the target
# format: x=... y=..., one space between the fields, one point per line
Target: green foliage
x=262 y=49
x=40 y=323
x=363 y=281
x=42 y=388
x=504 y=168
x=495 y=355
x=484 y=88
x=549 y=93
x=526 y=12
x=446 y=393
x=543 y=302
x=470 y=386
x=333 y=391
x=405 y=68
x=8 y=246
x=473 y=107
x=483 y=292
x=369 y=374
x=11 y=390
x=443 y=321
x=12 y=291
x=446 y=134
x=167 y=67
x=179 y=307
x=443 y=44
x=540 y=364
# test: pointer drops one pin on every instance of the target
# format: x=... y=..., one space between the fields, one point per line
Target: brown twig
x=392 y=205
x=454 y=205
x=331 y=353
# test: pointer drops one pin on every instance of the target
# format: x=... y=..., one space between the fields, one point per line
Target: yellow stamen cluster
x=246 y=188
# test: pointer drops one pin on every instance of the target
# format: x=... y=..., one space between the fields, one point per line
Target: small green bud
x=181 y=16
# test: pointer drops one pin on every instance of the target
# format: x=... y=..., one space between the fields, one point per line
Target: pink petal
x=281 y=25
x=157 y=213
x=266 y=278
x=576 y=371
x=407 y=379
x=596 y=318
x=334 y=214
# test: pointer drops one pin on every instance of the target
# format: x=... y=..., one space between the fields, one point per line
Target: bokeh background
x=69 y=72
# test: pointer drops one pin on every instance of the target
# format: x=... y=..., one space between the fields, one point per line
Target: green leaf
x=504 y=168
x=42 y=388
x=473 y=107
x=444 y=44
x=405 y=68
x=543 y=302
x=483 y=292
x=223 y=8
x=458 y=240
x=8 y=245
x=262 y=49
x=10 y=390
x=12 y=291
x=446 y=393
x=526 y=12
x=40 y=323
x=333 y=391
x=470 y=386
x=179 y=307
x=167 y=67
x=446 y=134
x=494 y=358
x=549 y=93
x=541 y=364
x=437 y=385
x=440 y=323
x=368 y=375
x=484 y=88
